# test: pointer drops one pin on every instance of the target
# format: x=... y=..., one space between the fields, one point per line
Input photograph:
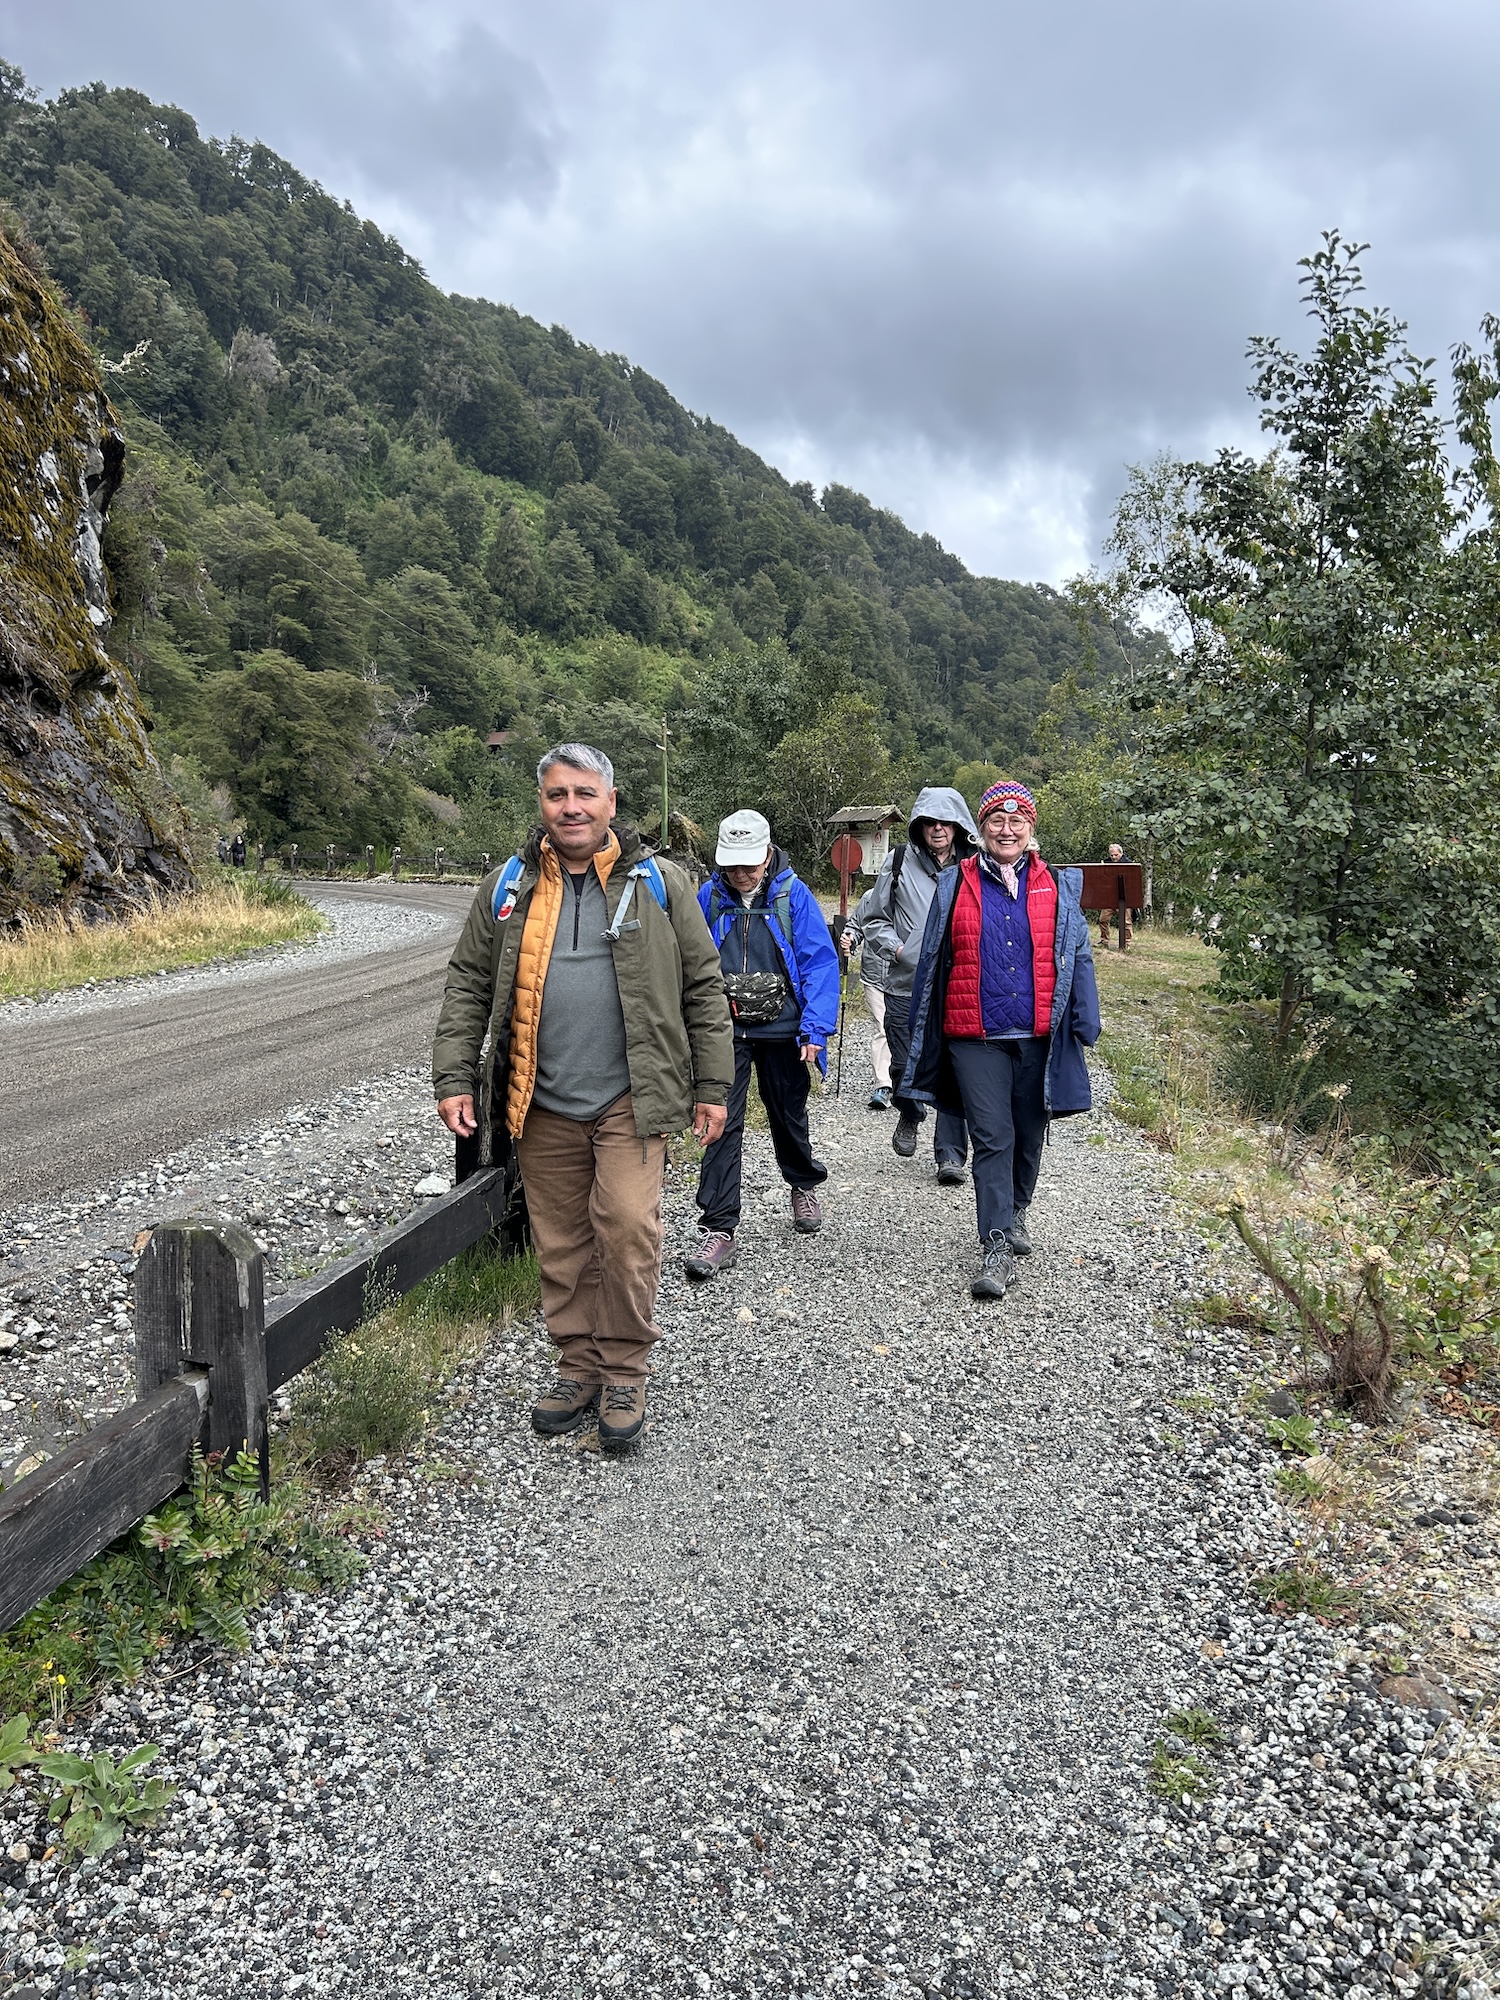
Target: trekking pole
x=838 y=1073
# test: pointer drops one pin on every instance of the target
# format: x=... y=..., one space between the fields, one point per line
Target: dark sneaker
x=1018 y=1236
x=622 y=1415
x=880 y=1097
x=715 y=1252
x=565 y=1406
x=996 y=1272
x=950 y=1173
x=904 y=1138
x=806 y=1213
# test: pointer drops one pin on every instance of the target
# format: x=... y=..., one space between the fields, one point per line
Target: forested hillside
x=365 y=525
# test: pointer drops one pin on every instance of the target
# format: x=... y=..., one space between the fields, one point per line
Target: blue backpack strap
x=503 y=901
x=652 y=872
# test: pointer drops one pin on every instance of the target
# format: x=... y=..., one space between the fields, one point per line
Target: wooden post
x=260 y=857
x=369 y=862
x=439 y=859
x=484 y=864
x=395 y=864
x=294 y=857
x=1122 y=912
x=200 y=1303
x=328 y=861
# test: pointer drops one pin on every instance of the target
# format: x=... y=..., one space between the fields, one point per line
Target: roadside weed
x=195 y=1566
x=1292 y=1434
x=377 y=1388
x=1196 y=1727
x=1179 y=1775
x=16 y=1749
x=1307 y=1586
x=1294 y=1483
x=97 y=1799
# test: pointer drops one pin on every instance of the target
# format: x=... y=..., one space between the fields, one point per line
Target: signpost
x=1113 y=885
x=847 y=855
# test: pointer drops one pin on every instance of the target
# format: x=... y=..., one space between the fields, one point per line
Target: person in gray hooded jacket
x=892 y=919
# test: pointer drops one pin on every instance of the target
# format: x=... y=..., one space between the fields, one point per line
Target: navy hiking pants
x=1004 y=1089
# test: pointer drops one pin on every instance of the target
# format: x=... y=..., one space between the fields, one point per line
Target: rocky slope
x=85 y=817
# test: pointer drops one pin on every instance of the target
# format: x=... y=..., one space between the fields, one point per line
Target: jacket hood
x=943 y=802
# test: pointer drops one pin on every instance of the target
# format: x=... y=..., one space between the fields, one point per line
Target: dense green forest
x=366 y=526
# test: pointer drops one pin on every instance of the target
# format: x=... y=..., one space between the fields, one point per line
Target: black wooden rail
x=207 y=1356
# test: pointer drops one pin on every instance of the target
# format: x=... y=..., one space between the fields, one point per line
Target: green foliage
x=1306 y=1587
x=1323 y=740
x=335 y=464
x=195 y=1566
x=1292 y=1434
x=16 y=1749
x=1196 y=1727
x=98 y=1800
x=375 y=1388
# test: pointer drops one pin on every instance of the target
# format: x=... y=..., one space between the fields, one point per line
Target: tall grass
x=377 y=1388
x=224 y=919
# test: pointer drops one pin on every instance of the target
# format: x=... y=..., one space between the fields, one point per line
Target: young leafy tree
x=1324 y=738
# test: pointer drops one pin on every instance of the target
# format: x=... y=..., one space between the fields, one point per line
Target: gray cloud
x=972 y=257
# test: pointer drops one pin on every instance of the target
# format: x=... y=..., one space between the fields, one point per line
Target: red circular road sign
x=847 y=854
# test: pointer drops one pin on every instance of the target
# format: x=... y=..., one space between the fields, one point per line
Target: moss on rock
x=79 y=786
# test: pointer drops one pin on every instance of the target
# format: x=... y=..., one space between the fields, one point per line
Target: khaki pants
x=880 y=1048
x=1104 y=922
x=593 y=1192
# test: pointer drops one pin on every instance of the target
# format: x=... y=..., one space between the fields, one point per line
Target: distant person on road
x=781 y=973
x=871 y=982
x=1003 y=1007
x=1116 y=853
x=237 y=851
x=589 y=964
x=942 y=832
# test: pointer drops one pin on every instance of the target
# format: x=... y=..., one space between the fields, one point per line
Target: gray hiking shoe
x=1018 y=1236
x=904 y=1138
x=880 y=1097
x=715 y=1252
x=950 y=1173
x=996 y=1272
x=622 y=1415
x=807 y=1214
x=564 y=1406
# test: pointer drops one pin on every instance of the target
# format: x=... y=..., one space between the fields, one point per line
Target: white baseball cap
x=744 y=840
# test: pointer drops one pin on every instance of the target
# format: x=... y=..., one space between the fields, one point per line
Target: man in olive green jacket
x=594 y=975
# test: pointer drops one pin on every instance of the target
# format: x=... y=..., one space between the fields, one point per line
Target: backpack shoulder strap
x=503 y=901
x=783 y=908
x=651 y=869
x=898 y=858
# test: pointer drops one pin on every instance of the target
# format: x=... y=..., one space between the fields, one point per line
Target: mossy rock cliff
x=86 y=819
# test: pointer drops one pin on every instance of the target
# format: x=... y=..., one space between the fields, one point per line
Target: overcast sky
x=971 y=256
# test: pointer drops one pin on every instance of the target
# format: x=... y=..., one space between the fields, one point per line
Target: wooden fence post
x=200 y=1303
x=395 y=864
x=369 y=862
x=328 y=861
x=294 y=857
x=260 y=857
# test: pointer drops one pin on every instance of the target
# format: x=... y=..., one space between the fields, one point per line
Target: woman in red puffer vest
x=1004 y=1001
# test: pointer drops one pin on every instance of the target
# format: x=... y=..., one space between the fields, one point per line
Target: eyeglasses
x=1012 y=822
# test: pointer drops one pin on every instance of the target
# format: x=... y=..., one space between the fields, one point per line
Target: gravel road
x=848 y=1680
x=93 y=1082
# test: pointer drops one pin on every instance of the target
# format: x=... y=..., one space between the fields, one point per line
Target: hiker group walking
x=596 y=1003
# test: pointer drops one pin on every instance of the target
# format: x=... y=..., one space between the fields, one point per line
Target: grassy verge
x=377 y=1389
x=224 y=919
x=1368 y=1282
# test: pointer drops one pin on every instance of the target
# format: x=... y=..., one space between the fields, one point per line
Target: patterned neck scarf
x=1001 y=871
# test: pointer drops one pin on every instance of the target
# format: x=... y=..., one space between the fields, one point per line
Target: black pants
x=950 y=1141
x=784 y=1085
x=1003 y=1085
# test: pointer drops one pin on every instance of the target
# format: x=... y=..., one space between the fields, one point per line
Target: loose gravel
x=848 y=1680
x=355 y=930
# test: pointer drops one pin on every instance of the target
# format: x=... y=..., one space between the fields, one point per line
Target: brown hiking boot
x=807 y=1215
x=715 y=1252
x=622 y=1415
x=565 y=1406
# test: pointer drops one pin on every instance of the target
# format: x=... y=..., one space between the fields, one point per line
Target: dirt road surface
x=88 y=1095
